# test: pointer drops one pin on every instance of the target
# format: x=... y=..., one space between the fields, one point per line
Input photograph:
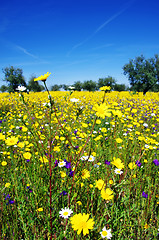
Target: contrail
x=103 y=25
x=25 y=51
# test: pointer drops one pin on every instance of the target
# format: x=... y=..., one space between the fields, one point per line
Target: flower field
x=79 y=165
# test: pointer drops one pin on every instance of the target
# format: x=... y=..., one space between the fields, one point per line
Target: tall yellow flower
x=42 y=77
x=99 y=184
x=102 y=110
x=107 y=194
x=82 y=222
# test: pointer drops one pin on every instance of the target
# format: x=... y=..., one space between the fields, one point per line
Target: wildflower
x=63 y=193
x=107 y=194
x=79 y=203
x=118 y=140
x=82 y=222
x=10 y=141
x=99 y=184
x=4 y=163
x=106 y=233
x=85 y=174
x=39 y=210
x=138 y=163
x=44 y=159
x=42 y=77
x=62 y=164
x=107 y=162
x=21 y=88
x=74 y=100
x=144 y=195
x=118 y=171
x=65 y=213
x=27 y=155
x=118 y=163
x=132 y=165
x=105 y=88
x=111 y=181
x=146 y=226
x=63 y=174
x=102 y=110
x=91 y=158
x=7 y=185
x=156 y=162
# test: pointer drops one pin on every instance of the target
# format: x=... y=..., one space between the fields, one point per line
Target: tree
x=120 y=87
x=65 y=87
x=3 y=88
x=56 y=87
x=90 y=85
x=108 y=81
x=78 y=86
x=34 y=85
x=143 y=74
x=14 y=78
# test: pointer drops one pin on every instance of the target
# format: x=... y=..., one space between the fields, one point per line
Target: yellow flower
x=4 y=163
x=44 y=159
x=2 y=137
x=99 y=184
x=146 y=226
x=79 y=203
x=111 y=181
x=11 y=141
x=85 y=174
x=107 y=194
x=39 y=209
x=42 y=77
x=102 y=110
x=132 y=165
x=27 y=155
x=82 y=222
x=118 y=140
x=63 y=174
x=118 y=163
x=7 y=185
x=105 y=88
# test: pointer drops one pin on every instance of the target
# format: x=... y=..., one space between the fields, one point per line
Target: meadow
x=79 y=165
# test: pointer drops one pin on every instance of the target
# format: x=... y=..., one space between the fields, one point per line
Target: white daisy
x=74 y=100
x=106 y=233
x=21 y=88
x=62 y=164
x=91 y=158
x=118 y=171
x=65 y=213
x=84 y=158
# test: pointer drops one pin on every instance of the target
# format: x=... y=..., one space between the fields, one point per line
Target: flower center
x=104 y=233
x=65 y=213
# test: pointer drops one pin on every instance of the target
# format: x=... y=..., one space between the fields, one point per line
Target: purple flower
x=138 y=163
x=71 y=173
x=156 y=162
x=144 y=195
x=56 y=163
x=63 y=193
x=107 y=162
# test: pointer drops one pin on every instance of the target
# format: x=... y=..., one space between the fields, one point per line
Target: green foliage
x=108 y=81
x=3 y=88
x=56 y=87
x=120 y=87
x=89 y=85
x=143 y=74
x=14 y=78
x=78 y=86
x=34 y=85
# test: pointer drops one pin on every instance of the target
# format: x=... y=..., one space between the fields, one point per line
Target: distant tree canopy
x=14 y=78
x=89 y=85
x=3 y=88
x=143 y=74
x=56 y=87
x=108 y=81
x=34 y=85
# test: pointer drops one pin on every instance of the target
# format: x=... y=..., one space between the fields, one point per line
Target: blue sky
x=76 y=40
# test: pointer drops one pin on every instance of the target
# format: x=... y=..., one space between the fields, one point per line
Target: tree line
x=142 y=73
